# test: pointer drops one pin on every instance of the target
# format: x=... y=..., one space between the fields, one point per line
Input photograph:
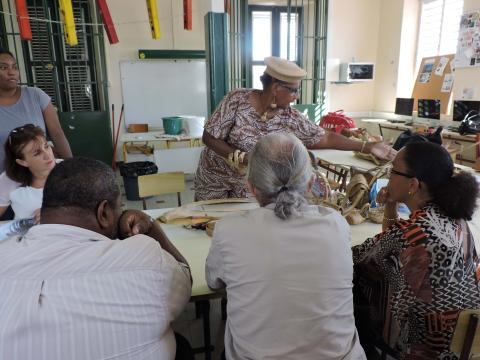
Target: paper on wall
x=447 y=83
x=441 y=66
x=424 y=78
x=468 y=93
x=426 y=71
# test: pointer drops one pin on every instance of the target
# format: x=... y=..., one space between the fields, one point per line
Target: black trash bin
x=131 y=171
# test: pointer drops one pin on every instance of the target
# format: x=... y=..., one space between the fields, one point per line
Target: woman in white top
x=287 y=266
x=28 y=161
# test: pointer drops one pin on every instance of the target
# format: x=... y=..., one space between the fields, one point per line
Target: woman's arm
x=332 y=140
x=62 y=147
x=221 y=147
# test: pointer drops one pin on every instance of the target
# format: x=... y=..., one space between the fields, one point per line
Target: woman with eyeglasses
x=19 y=104
x=28 y=161
x=246 y=115
x=413 y=279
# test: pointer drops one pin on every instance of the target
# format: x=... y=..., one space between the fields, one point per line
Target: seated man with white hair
x=287 y=266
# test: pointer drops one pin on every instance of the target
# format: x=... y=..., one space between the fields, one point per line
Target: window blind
x=439 y=24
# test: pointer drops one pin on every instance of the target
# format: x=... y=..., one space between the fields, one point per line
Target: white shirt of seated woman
x=29 y=160
x=286 y=266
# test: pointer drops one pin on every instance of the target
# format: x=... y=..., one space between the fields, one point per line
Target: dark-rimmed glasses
x=291 y=90
x=399 y=173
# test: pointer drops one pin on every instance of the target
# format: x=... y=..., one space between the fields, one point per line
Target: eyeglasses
x=292 y=91
x=399 y=173
x=18 y=130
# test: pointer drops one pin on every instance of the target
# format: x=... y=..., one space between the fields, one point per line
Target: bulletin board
x=153 y=89
x=468 y=46
x=435 y=81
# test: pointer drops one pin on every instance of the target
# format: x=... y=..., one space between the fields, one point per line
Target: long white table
x=343 y=159
x=194 y=246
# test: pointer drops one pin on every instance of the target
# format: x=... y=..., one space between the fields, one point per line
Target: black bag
x=407 y=137
x=470 y=124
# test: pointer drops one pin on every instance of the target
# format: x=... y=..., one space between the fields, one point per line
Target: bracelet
x=391 y=219
x=363 y=146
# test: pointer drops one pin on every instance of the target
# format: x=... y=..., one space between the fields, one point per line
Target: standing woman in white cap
x=246 y=115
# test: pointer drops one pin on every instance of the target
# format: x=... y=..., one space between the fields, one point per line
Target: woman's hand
x=134 y=222
x=382 y=150
x=238 y=161
x=383 y=197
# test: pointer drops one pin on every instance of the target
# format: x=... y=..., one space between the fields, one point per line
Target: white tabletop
x=154 y=136
x=343 y=158
x=195 y=244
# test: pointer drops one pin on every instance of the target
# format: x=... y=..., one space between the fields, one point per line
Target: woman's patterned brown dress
x=237 y=122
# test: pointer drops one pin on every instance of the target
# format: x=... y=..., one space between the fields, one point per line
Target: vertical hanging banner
x=187 y=14
x=107 y=21
x=226 y=4
x=153 y=17
x=23 y=20
x=66 y=12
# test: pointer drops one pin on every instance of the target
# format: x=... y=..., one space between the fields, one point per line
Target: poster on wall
x=426 y=71
x=468 y=46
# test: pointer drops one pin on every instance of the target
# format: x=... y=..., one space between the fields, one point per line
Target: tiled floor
x=187 y=324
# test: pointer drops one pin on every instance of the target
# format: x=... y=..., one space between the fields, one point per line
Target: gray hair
x=279 y=168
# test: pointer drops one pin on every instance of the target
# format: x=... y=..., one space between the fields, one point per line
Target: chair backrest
x=161 y=183
x=466 y=338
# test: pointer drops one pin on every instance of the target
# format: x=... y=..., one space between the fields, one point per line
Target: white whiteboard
x=153 y=89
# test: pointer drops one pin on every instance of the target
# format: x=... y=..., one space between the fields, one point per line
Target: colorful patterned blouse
x=416 y=276
x=237 y=122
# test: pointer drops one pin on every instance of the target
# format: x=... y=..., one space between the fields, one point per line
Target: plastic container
x=130 y=173
x=172 y=125
x=193 y=125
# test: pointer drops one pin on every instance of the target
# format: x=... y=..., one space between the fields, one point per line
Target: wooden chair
x=159 y=184
x=337 y=175
x=466 y=338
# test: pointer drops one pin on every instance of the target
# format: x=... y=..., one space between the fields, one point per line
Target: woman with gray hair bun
x=287 y=265
x=280 y=172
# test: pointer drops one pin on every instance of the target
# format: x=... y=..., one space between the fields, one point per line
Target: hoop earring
x=273 y=105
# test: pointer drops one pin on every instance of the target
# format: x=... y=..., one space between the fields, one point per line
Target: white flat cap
x=284 y=70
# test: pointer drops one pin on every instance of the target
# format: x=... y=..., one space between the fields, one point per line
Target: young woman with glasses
x=246 y=115
x=413 y=279
x=28 y=161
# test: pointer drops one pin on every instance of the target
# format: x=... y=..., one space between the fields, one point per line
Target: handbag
x=408 y=136
x=337 y=121
x=470 y=123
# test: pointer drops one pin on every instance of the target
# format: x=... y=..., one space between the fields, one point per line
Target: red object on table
x=107 y=21
x=23 y=20
x=187 y=14
x=337 y=121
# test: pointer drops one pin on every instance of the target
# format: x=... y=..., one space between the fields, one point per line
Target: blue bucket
x=172 y=125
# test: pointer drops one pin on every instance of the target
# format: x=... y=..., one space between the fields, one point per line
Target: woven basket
x=376 y=215
x=370 y=157
x=210 y=227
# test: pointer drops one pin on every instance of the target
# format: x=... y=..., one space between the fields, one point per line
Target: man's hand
x=134 y=222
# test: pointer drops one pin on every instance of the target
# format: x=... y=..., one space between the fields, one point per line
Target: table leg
x=203 y=306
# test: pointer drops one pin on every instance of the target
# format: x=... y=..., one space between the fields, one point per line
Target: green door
x=89 y=134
